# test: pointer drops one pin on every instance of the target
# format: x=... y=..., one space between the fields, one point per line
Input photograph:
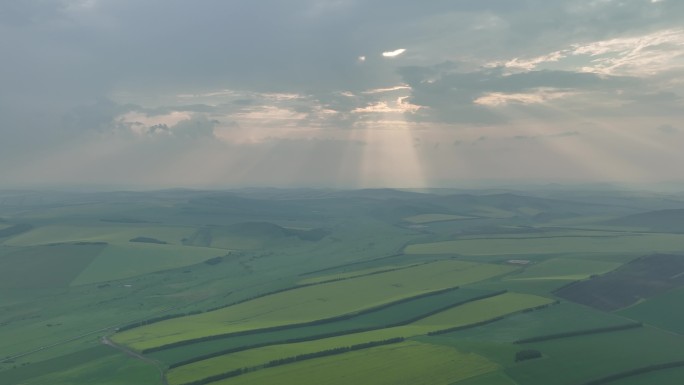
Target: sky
x=339 y=93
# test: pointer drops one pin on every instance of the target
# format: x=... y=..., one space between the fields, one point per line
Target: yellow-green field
x=254 y=357
x=482 y=310
x=429 y=218
x=352 y=274
x=408 y=363
x=314 y=302
x=466 y=314
x=566 y=269
x=643 y=243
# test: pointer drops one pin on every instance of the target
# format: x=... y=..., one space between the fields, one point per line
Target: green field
x=352 y=274
x=665 y=311
x=46 y=266
x=254 y=357
x=560 y=318
x=410 y=363
x=134 y=259
x=661 y=377
x=584 y=358
x=482 y=310
x=113 y=370
x=466 y=314
x=565 y=269
x=646 y=243
x=314 y=302
x=393 y=315
x=306 y=272
x=492 y=378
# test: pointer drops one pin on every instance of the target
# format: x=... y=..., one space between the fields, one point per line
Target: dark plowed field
x=642 y=278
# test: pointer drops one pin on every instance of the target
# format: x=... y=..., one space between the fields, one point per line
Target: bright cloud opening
x=394 y=53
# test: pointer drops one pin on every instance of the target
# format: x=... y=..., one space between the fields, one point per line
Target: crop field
x=429 y=218
x=44 y=368
x=400 y=313
x=560 y=318
x=467 y=314
x=259 y=356
x=664 y=311
x=646 y=243
x=314 y=302
x=565 y=269
x=352 y=274
x=482 y=310
x=584 y=358
x=338 y=287
x=116 y=369
x=46 y=266
x=408 y=363
x=642 y=278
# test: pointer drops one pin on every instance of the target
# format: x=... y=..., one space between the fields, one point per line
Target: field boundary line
x=635 y=372
x=335 y=334
x=295 y=359
x=578 y=333
x=322 y=321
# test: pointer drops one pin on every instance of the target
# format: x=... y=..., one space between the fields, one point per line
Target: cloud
x=565 y=134
x=451 y=95
x=164 y=83
x=668 y=129
x=394 y=53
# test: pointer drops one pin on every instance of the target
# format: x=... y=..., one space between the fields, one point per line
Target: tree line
x=575 y=333
x=321 y=336
x=297 y=358
x=320 y=321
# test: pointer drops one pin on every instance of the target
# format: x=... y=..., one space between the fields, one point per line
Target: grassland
x=23 y=373
x=117 y=369
x=563 y=317
x=130 y=260
x=492 y=378
x=664 y=311
x=645 y=243
x=46 y=266
x=313 y=302
x=407 y=363
x=585 y=358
